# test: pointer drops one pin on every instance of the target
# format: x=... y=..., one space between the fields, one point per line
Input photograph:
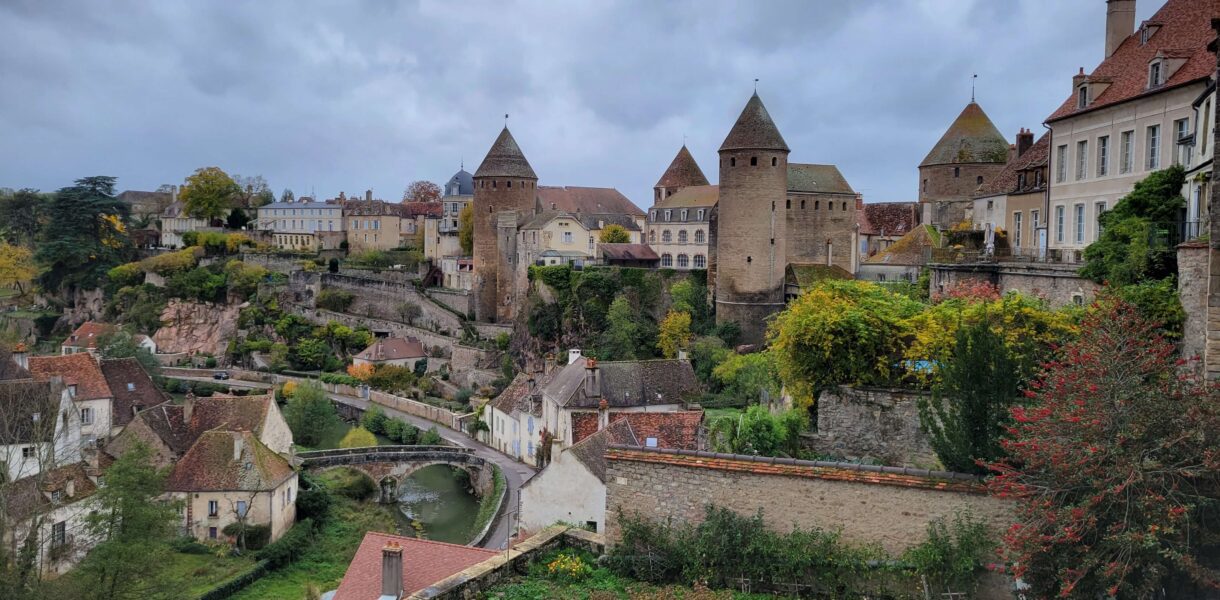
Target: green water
x=438 y=498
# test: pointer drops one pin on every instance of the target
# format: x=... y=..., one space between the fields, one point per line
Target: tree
x=133 y=523
x=674 y=334
x=310 y=354
x=362 y=371
x=409 y=312
x=287 y=196
x=759 y=432
x=121 y=344
x=23 y=214
x=238 y=219
x=422 y=191
x=614 y=234
x=746 y=377
x=1115 y=467
x=358 y=437
x=209 y=193
x=86 y=238
x=968 y=413
x=16 y=266
x=253 y=192
x=621 y=339
x=1139 y=236
x=466 y=229
x=691 y=297
x=309 y=413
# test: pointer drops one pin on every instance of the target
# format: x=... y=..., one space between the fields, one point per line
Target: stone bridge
x=388 y=466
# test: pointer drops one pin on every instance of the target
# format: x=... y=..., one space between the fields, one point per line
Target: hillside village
x=767 y=386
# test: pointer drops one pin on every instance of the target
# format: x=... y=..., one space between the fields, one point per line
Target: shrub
x=463 y=395
x=374 y=420
x=314 y=504
x=568 y=567
x=288 y=548
x=335 y=300
x=361 y=372
x=125 y=275
x=256 y=536
x=393 y=429
x=189 y=545
x=431 y=438
x=210 y=363
x=339 y=378
x=353 y=484
x=954 y=552
x=171 y=263
x=358 y=437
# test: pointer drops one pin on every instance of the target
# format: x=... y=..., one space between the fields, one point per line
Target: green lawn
x=191 y=574
x=324 y=563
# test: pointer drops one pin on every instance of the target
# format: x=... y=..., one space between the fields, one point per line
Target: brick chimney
x=188 y=407
x=603 y=414
x=238 y=442
x=1025 y=139
x=368 y=195
x=1120 y=23
x=391 y=570
x=593 y=387
x=342 y=196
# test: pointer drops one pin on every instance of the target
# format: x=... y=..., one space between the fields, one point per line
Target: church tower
x=505 y=187
x=750 y=242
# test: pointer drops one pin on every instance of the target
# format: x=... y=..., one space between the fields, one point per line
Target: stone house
x=39 y=427
x=968 y=155
x=372 y=225
x=52 y=506
x=131 y=390
x=904 y=259
x=441 y=230
x=303 y=225
x=883 y=223
x=85 y=337
x=588 y=386
x=1131 y=115
x=514 y=418
x=400 y=352
x=229 y=476
x=175 y=222
x=457 y=273
x=679 y=224
x=86 y=384
x=393 y=567
x=1199 y=161
x=1014 y=200
x=572 y=488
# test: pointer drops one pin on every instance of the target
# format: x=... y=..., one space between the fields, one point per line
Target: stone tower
x=504 y=195
x=682 y=172
x=970 y=154
x=750 y=237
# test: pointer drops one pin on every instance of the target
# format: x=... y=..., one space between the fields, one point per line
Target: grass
x=334 y=434
x=324 y=563
x=711 y=414
x=192 y=574
x=489 y=503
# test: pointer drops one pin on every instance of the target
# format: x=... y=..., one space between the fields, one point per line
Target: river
x=439 y=500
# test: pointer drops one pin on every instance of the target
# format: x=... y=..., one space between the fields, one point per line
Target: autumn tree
x=358 y=437
x=422 y=191
x=209 y=193
x=86 y=238
x=23 y=214
x=466 y=229
x=1115 y=467
x=16 y=266
x=252 y=192
x=674 y=334
x=614 y=234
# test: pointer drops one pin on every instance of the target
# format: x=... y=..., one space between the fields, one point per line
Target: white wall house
x=572 y=488
x=302 y=225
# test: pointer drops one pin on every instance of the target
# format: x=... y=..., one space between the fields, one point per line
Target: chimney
x=342 y=196
x=1025 y=139
x=391 y=570
x=70 y=488
x=188 y=407
x=21 y=357
x=548 y=363
x=238 y=440
x=682 y=355
x=368 y=195
x=1078 y=79
x=603 y=415
x=573 y=355
x=1120 y=23
x=593 y=388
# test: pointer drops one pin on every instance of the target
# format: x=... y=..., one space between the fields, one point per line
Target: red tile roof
x=29 y=496
x=888 y=218
x=424 y=563
x=215 y=463
x=627 y=252
x=131 y=387
x=589 y=200
x=763 y=465
x=80 y=370
x=682 y=172
x=87 y=334
x=393 y=348
x=1006 y=181
x=677 y=429
x=1185 y=31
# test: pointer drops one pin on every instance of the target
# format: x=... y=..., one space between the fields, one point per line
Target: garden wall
x=458 y=300
x=382 y=298
x=1193 y=270
x=871 y=425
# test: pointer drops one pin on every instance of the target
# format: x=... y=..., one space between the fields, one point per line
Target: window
x=27 y=452
x=979 y=180
x=72 y=390
x=700 y=261
x=1103 y=155
x=1079 y=215
x=1154 y=147
x=590 y=242
x=957 y=171
x=666 y=237
x=1181 y=128
x=213 y=508
x=654 y=215
x=241 y=508
x=1082 y=158
x=86 y=416
x=1034 y=219
x=1016 y=229
x=131 y=387
x=700 y=214
x=1082 y=97
x=682 y=237
x=683 y=261
x=57 y=496
x=1154 y=73
x=667 y=260
x=924 y=185
x=1126 y=158
x=567 y=237
x=1061 y=154
x=212 y=530
x=1099 y=208
x=732 y=162
x=753 y=161
x=698 y=236
x=1059 y=224
x=667 y=215
x=683 y=214
x=59 y=534
x=652 y=236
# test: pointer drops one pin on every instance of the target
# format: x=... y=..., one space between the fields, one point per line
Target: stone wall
x=871 y=425
x=378 y=298
x=1057 y=283
x=1192 y=289
x=887 y=506
x=273 y=262
x=946 y=197
x=458 y=300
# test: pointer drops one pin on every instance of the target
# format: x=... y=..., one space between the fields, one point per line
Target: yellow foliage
x=358 y=437
x=289 y=388
x=674 y=334
x=16 y=265
x=362 y=371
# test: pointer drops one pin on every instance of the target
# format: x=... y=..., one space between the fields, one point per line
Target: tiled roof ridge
x=899 y=476
x=415 y=540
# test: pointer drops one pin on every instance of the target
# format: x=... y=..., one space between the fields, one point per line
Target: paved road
x=236 y=383
x=515 y=473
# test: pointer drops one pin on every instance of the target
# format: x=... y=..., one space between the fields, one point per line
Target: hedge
x=238 y=583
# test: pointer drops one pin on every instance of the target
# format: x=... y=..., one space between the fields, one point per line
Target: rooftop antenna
x=973 y=78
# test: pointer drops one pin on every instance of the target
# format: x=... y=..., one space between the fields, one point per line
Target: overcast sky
x=330 y=96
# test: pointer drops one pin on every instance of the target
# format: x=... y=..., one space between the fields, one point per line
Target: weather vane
x=973 y=78
x=755 y=85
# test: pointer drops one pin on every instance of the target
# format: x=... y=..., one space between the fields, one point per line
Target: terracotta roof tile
x=87 y=334
x=79 y=369
x=393 y=348
x=29 y=496
x=131 y=387
x=888 y=218
x=216 y=462
x=683 y=171
x=1006 y=181
x=1185 y=32
x=971 y=138
x=670 y=429
x=590 y=450
x=581 y=200
x=424 y=563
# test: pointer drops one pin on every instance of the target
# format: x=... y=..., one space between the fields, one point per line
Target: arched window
x=667 y=260
x=682 y=237
x=666 y=237
x=698 y=236
x=683 y=261
x=700 y=261
x=652 y=236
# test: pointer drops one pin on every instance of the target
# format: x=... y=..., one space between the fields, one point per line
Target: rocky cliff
x=195 y=327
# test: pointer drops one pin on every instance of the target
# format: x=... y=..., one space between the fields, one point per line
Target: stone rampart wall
x=871 y=425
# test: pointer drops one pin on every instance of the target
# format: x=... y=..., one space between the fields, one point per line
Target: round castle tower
x=505 y=188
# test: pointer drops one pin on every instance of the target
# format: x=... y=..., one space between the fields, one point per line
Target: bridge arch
x=388 y=466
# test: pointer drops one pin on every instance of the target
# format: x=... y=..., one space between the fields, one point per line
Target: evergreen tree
x=621 y=339
x=1139 y=236
x=86 y=238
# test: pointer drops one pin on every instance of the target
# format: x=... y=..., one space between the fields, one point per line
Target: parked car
x=222 y=375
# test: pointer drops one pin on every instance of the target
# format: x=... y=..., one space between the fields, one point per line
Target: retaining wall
x=871 y=425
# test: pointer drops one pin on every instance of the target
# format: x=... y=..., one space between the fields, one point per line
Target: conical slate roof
x=505 y=160
x=972 y=138
x=754 y=130
x=461 y=184
x=683 y=171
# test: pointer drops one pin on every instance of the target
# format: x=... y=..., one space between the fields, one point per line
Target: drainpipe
x=1044 y=248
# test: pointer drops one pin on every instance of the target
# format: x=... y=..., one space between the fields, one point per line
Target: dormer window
x=1082 y=97
x=1154 y=74
x=1147 y=30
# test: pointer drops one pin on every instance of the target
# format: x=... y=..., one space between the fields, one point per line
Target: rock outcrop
x=195 y=327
